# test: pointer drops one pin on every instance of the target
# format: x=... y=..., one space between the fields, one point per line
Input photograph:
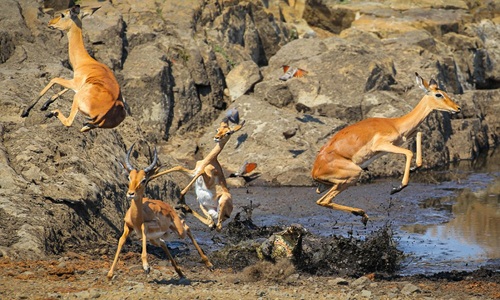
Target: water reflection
x=473 y=231
x=477 y=219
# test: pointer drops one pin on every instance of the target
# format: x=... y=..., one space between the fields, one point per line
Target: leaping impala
x=151 y=219
x=209 y=181
x=97 y=93
x=339 y=163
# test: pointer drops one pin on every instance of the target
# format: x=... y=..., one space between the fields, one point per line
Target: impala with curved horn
x=97 y=93
x=339 y=163
x=151 y=219
x=208 y=178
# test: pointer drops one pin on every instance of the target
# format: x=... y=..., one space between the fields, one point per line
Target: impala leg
x=186 y=209
x=418 y=159
x=207 y=217
x=225 y=209
x=45 y=106
x=204 y=258
x=181 y=228
x=186 y=189
x=144 y=253
x=167 y=252
x=174 y=169
x=69 y=120
x=121 y=241
x=64 y=82
x=340 y=174
x=327 y=201
x=398 y=150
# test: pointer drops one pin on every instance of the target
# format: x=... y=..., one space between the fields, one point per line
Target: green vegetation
x=220 y=49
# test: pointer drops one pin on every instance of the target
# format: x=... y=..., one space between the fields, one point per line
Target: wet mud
x=415 y=232
x=309 y=253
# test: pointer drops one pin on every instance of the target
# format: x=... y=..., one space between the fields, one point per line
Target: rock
x=253 y=141
x=333 y=18
x=365 y=294
x=105 y=30
x=338 y=281
x=282 y=244
x=242 y=78
x=7 y=46
x=409 y=289
x=360 y=282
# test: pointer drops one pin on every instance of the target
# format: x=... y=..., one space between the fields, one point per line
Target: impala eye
x=439 y=95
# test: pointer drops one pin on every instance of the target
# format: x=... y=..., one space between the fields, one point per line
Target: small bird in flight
x=246 y=168
x=292 y=72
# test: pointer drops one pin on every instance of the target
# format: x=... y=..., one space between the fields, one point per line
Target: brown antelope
x=210 y=184
x=151 y=219
x=339 y=163
x=97 y=93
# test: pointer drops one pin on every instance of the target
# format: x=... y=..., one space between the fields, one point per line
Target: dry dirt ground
x=83 y=276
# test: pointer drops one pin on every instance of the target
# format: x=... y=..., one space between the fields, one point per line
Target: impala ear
x=123 y=166
x=238 y=127
x=88 y=11
x=422 y=83
x=75 y=11
x=433 y=83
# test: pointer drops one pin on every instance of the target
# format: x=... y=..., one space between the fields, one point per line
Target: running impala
x=339 y=163
x=97 y=93
x=151 y=219
x=209 y=181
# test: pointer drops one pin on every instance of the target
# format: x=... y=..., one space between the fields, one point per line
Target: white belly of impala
x=206 y=197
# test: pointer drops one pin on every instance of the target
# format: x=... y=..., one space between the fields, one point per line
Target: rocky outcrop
x=181 y=64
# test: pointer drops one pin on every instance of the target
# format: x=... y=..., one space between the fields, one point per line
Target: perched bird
x=292 y=72
x=233 y=115
x=290 y=133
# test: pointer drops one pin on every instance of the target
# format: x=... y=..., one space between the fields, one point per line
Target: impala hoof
x=364 y=216
x=398 y=189
x=147 y=269
x=45 y=106
x=211 y=268
x=25 y=113
x=413 y=169
x=85 y=128
x=51 y=114
x=365 y=219
x=184 y=208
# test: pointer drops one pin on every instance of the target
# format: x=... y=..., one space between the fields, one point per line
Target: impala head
x=66 y=18
x=439 y=100
x=138 y=179
x=224 y=132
